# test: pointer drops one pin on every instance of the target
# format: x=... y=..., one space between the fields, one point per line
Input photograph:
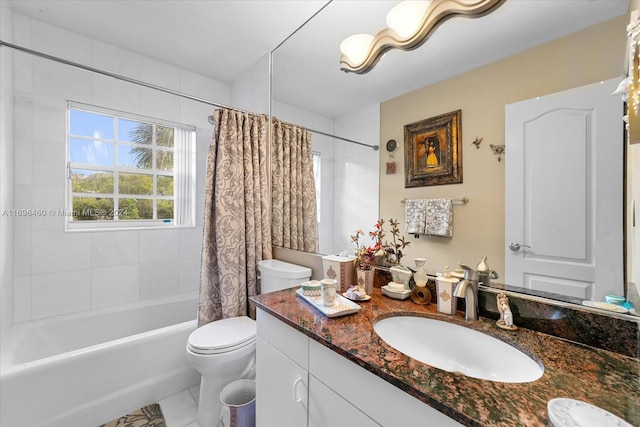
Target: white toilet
x=224 y=351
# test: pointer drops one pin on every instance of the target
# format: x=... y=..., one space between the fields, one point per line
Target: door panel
x=563 y=192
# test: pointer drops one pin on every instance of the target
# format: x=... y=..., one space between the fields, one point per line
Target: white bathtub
x=87 y=369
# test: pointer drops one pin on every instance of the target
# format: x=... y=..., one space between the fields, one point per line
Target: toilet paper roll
x=421 y=295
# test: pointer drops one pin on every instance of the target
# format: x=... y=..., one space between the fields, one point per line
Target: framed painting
x=433 y=151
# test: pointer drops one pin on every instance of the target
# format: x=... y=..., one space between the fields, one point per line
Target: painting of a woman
x=432 y=159
x=433 y=152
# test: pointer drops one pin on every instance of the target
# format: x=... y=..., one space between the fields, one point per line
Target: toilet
x=224 y=351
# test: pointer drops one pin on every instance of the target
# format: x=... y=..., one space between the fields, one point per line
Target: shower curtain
x=237 y=234
x=293 y=198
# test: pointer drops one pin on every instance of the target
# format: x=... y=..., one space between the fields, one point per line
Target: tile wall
x=57 y=272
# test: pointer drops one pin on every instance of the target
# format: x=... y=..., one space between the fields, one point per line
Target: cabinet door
x=281 y=389
x=328 y=409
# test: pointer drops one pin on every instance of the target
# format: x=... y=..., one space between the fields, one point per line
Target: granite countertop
x=604 y=379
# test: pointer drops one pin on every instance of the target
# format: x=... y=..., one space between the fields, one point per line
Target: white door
x=563 y=192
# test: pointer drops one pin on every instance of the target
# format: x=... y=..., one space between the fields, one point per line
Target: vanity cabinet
x=300 y=382
x=281 y=388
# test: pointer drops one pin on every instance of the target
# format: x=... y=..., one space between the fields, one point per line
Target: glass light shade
x=405 y=17
x=356 y=47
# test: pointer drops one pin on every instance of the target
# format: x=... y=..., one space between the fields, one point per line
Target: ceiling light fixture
x=410 y=23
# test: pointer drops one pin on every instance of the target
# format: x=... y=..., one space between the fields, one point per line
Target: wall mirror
x=308 y=88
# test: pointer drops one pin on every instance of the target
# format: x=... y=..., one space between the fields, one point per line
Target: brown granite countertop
x=605 y=379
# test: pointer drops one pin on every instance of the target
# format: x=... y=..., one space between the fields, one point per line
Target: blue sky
x=100 y=149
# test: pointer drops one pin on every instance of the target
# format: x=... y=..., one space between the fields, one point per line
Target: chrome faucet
x=468 y=289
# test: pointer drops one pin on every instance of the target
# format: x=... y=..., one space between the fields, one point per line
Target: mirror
x=309 y=89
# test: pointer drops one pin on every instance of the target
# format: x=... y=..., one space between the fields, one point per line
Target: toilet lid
x=223 y=335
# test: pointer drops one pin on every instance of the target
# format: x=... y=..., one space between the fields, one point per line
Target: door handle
x=515 y=246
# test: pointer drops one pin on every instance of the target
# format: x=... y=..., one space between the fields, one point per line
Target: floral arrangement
x=381 y=251
x=399 y=243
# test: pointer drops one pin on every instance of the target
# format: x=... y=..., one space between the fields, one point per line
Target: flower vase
x=365 y=280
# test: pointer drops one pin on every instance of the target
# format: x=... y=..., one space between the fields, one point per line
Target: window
x=128 y=171
x=317 y=174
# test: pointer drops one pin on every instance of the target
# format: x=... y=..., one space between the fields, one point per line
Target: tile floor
x=180 y=409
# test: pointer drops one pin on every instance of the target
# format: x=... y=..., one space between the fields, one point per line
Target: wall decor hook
x=498 y=150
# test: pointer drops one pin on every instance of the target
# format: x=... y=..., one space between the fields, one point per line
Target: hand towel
x=439 y=220
x=415 y=211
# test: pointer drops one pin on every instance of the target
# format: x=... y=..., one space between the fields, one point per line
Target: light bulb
x=356 y=47
x=405 y=17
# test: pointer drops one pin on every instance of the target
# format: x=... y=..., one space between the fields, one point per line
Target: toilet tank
x=276 y=275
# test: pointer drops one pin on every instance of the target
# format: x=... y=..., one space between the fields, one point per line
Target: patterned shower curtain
x=293 y=197
x=237 y=215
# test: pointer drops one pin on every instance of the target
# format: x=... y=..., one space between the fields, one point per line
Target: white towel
x=415 y=211
x=439 y=220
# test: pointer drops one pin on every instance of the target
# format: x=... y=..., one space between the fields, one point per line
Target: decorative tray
x=342 y=306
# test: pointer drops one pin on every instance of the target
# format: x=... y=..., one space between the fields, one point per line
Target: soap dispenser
x=420 y=276
x=444 y=290
x=484 y=272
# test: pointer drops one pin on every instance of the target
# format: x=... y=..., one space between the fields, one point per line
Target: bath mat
x=149 y=416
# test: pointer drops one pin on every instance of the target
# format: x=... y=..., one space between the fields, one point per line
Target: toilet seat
x=223 y=336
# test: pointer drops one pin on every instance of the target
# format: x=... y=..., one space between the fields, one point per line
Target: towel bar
x=464 y=200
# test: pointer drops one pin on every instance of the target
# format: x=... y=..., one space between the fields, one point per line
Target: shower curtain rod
x=147 y=85
x=118 y=76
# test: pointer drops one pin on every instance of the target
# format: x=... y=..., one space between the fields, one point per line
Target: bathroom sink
x=456 y=348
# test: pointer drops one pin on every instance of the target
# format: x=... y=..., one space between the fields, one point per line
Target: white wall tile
x=60 y=293
x=23 y=117
x=60 y=81
x=57 y=251
x=23 y=150
x=22 y=199
x=190 y=274
x=202 y=87
x=60 y=42
x=159 y=104
x=22 y=252
x=191 y=242
x=115 y=94
x=160 y=74
x=50 y=120
x=23 y=73
x=49 y=167
x=109 y=248
x=116 y=60
x=22 y=299
x=159 y=245
x=114 y=285
x=50 y=200
x=159 y=278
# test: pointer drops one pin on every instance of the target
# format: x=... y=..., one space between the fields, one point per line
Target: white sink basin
x=455 y=348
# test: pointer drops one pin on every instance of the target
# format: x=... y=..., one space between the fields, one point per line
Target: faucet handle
x=469 y=273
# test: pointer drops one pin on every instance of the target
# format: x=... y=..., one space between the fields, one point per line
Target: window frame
x=125 y=224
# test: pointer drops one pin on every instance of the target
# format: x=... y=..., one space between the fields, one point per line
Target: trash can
x=238 y=404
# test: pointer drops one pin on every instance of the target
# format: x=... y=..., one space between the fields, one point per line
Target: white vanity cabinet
x=287 y=394
x=282 y=377
x=300 y=383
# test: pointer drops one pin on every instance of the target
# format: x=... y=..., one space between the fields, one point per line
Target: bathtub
x=87 y=369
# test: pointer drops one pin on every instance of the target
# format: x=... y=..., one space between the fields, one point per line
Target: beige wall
x=588 y=56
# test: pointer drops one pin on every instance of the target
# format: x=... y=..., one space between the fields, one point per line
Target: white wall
x=57 y=272
x=251 y=90
x=356 y=178
x=6 y=170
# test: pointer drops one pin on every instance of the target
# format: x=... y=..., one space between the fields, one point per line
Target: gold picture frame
x=433 y=151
